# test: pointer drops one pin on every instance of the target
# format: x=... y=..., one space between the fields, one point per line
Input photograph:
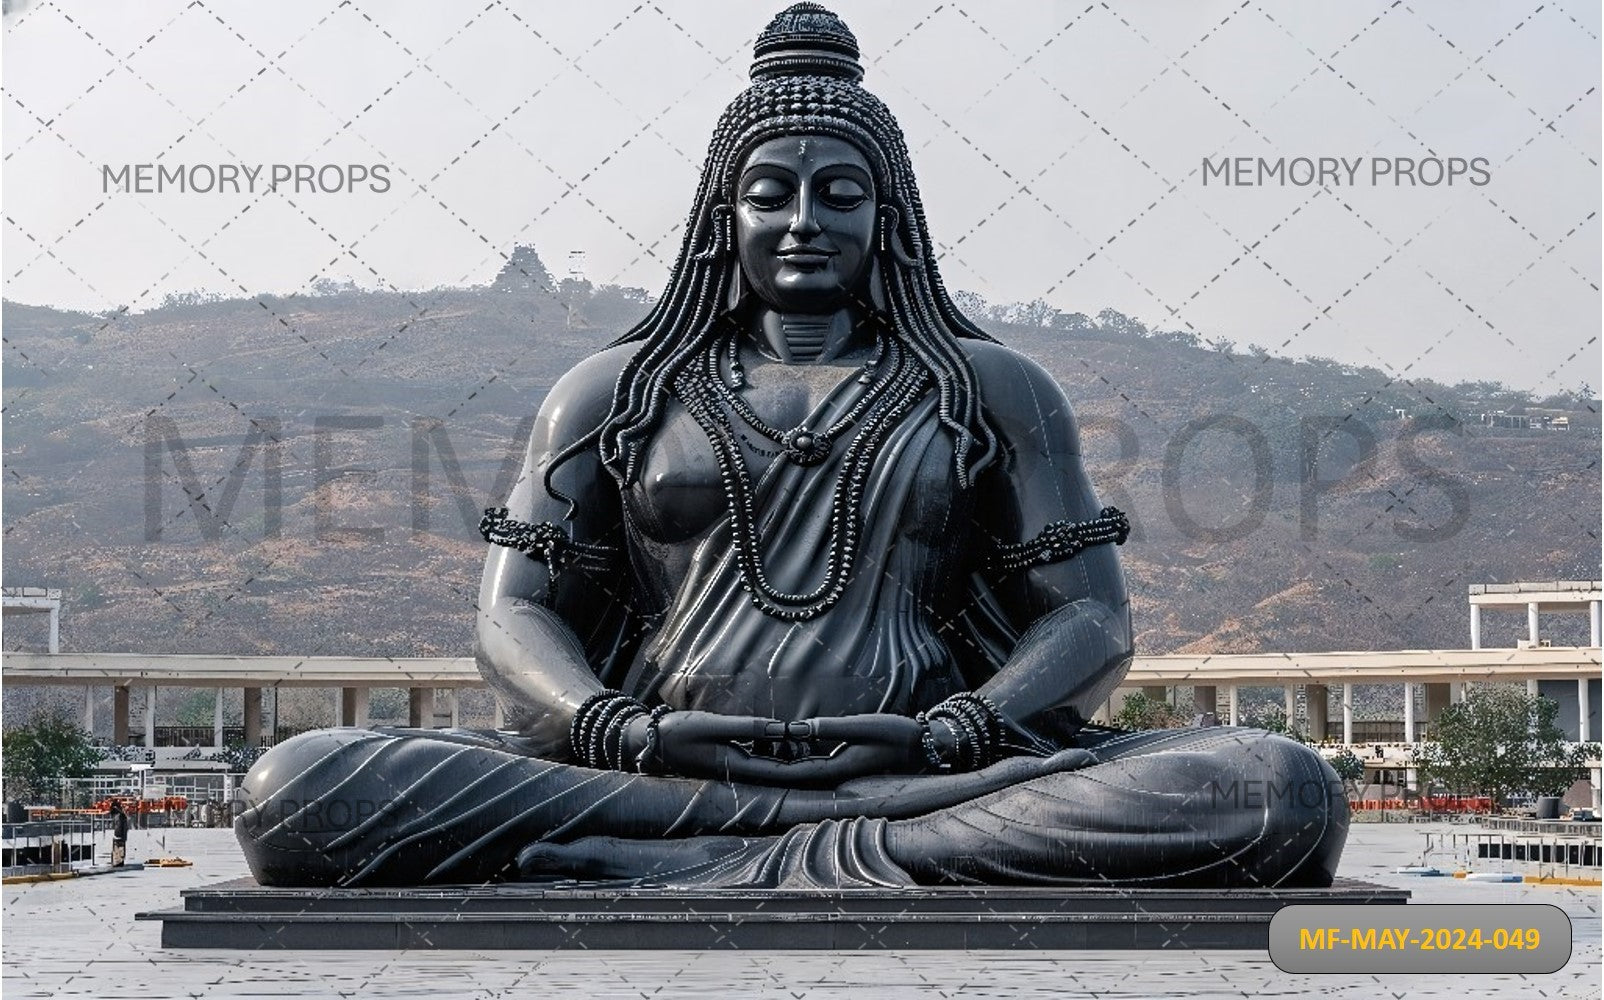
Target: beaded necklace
x=710 y=402
x=802 y=445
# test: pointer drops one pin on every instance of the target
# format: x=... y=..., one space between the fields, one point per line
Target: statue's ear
x=735 y=285
x=877 y=287
x=891 y=238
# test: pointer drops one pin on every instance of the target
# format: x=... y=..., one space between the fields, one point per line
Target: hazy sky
x=1059 y=146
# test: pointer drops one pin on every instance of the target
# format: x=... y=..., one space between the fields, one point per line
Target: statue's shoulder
x=583 y=396
x=1013 y=387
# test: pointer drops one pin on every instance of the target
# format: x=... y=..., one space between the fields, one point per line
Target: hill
x=304 y=474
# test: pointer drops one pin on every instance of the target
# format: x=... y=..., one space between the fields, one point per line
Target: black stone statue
x=803 y=584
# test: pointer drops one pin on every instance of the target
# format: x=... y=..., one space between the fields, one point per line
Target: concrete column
x=1531 y=621
x=1438 y=697
x=119 y=716
x=1595 y=615
x=150 y=718
x=445 y=708
x=1409 y=713
x=1456 y=692
x=499 y=720
x=1291 y=705
x=1315 y=704
x=1235 y=704
x=217 y=720
x=253 y=716
x=1475 y=626
x=1347 y=714
x=55 y=629
x=417 y=700
x=89 y=709
x=1583 y=710
x=354 y=706
x=1206 y=699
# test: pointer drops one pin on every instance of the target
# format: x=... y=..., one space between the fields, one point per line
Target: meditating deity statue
x=804 y=584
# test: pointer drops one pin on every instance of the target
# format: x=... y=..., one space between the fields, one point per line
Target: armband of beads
x=544 y=542
x=1062 y=540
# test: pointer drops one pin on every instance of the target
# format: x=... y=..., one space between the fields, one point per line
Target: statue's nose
x=804 y=223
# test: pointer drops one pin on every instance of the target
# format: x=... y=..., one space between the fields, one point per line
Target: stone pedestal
x=243 y=916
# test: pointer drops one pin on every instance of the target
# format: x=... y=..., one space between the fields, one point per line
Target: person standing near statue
x=119 y=834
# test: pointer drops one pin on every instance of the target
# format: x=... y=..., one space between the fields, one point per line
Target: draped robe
x=1218 y=806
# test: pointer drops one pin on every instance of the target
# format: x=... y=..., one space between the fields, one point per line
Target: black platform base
x=243 y=915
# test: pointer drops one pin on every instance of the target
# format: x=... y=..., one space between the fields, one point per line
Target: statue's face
x=805 y=221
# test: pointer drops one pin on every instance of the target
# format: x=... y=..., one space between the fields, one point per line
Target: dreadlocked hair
x=805 y=83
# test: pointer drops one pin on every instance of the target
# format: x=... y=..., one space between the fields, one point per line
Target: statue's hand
x=704 y=745
x=871 y=744
x=709 y=745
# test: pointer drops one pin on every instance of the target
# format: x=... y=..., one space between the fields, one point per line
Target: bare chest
x=681 y=484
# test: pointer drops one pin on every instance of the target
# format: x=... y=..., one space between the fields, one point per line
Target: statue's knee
x=1292 y=780
x=301 y=799
x=301 y=758
x=310 y=783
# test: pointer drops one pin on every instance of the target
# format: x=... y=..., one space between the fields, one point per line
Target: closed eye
x=843 y=194
x=767 y=193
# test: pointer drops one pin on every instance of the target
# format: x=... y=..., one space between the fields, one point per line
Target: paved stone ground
x=78 y=938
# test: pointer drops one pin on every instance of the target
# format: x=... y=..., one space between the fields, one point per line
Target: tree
x=1570 y=767
x=971 y=304
x=1036 y=312
x=1114 y=321
x=198 y=709
x=1185 y=338
x=1501 y=740
x=1075 y=322
x=1142 y=712
x=35 y=757
x=1349 y=768
x=238 y=756
x=1274 y=720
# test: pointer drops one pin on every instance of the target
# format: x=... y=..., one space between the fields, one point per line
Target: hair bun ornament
x=806 y=39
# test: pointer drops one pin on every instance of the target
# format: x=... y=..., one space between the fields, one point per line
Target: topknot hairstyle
x=805 y=80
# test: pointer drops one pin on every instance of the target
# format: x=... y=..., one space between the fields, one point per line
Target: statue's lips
x=808 y=258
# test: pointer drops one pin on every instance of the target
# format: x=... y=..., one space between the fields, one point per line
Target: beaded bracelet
x=652 y=739
x=584 y=718
x=977 y=725
x=612 y=741
x=595 y=722
x=596 y=733
x=927 y=739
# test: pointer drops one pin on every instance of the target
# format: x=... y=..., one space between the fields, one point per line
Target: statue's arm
x=530 y=626
x=1073 y=612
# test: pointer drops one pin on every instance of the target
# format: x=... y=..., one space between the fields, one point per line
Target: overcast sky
x=1059 y=146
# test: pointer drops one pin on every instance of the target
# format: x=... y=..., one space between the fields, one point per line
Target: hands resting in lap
x=813 y=752
x=821 y=752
